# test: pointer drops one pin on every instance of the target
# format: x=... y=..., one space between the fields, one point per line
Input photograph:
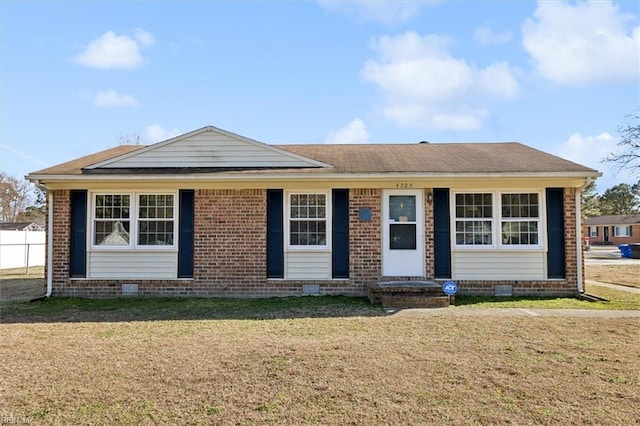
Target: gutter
x=49 y=244
x=304 y=176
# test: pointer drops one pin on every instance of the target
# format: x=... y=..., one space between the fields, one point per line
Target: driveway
x=607 y=255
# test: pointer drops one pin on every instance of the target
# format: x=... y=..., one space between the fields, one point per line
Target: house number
x=404 y=185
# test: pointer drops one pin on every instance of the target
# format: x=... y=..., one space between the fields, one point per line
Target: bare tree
x=629 y=155
x=15 y=197
x=132 y=139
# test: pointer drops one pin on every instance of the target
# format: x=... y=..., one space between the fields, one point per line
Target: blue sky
x=556 y=75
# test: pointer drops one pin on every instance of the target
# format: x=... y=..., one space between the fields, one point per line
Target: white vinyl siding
x=210 y=149
x=308 y=265
x=132 y=265
x=498 y=265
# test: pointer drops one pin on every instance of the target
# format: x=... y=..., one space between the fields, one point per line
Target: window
x=112 y=223
x=474 y=219
x=503 y=220
x=128 y=220
x=593 y=231
x=155 y=220
x=307 y=220
x=520 y=219
x=622 y=231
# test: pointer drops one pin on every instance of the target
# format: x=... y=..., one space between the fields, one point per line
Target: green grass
x=150 y=309
x=615 y=299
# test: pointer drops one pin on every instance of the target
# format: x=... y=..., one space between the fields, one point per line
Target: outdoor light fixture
x=429 y=197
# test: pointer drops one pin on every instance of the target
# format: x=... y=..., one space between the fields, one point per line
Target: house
x=612 y=229
x=213 y=213
x=20 y=226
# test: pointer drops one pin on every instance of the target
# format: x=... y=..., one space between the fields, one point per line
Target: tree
x=590 y=201
x=621 y=199
x=15 y=196
x=132 y=139
x=629 y=155
x=36 y=212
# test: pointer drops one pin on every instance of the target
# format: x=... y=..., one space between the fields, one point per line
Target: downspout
x=49 y=244
x=579 y=234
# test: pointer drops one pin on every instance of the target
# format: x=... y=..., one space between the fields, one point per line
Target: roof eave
x=304 y=176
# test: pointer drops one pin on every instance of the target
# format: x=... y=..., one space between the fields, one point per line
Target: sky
x=77 y=77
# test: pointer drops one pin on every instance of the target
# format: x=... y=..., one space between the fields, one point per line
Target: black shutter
x=275 y=234
x=78 y=243
x=186 y=233
x=340 y=234
x=555 y=233
x=597 y=231
x=442 y=233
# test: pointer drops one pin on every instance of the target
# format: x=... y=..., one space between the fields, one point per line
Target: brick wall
x=571 y=238
x=230 y=252
x=61 y=240
x=365 y=249
x=230 y=242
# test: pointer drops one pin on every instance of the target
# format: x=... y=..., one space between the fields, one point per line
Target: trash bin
x=625 y=250
x=635 y=250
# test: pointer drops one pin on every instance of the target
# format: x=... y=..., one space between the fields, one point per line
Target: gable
x=209 y=148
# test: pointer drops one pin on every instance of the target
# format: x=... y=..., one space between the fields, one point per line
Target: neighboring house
x=612 y=229
x=20 y=226
x=212 y=213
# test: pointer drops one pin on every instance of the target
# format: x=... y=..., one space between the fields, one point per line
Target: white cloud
x=145 y=38
x=425 y=86
x=352 y=133
x=156 y=133
x=110 y=98
x=583 y=42
x=485 y=35
x=387 y=12
x=112 y=51
x=590 y=151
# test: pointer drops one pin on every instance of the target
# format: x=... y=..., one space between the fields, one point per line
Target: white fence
x=22 y=249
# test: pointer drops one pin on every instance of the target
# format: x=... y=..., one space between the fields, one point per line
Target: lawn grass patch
x=615 y=299
x=316 y=369
x=61 y=309
x=628 y=274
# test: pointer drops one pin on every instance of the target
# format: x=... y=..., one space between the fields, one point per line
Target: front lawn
x=309 y=361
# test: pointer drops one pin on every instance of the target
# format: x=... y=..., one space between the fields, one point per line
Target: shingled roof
x=619 y=219
x=436 y=158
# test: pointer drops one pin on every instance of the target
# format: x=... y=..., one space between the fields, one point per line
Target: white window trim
x=133 y=220
x=496 y=222
x=287 y=222
x=627 y=231
x=593 y=231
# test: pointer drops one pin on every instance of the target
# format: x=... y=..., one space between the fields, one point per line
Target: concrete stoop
x=408 y=294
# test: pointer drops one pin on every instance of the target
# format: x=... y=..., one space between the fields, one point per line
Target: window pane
x=520 y=233
x=474 y=232
x=402 y=236
x=402 y=208
x=111 y=233
x=155 y=227
x=474 y=206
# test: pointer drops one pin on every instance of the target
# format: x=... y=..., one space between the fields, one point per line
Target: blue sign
x=450 y=288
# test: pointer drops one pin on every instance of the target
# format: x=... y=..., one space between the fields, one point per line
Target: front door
x=403 y=233
x=605 y=234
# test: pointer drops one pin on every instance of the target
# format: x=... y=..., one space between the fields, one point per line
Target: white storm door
x=403 y=233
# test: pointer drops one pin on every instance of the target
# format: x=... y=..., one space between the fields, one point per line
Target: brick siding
x=230 y=252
